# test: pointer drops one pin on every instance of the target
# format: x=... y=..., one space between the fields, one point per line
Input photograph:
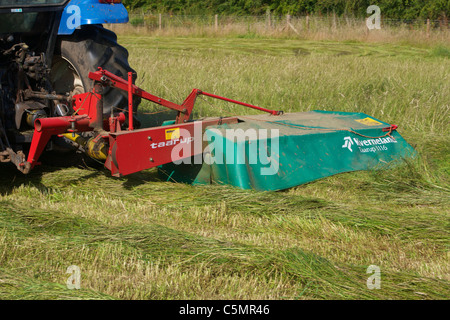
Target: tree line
x=390 y=9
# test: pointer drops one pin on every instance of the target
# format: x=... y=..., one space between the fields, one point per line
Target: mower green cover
x=309 y=146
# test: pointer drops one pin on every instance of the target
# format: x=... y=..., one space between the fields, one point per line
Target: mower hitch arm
x=108 y=79
x=45 y=128
x=184 y=110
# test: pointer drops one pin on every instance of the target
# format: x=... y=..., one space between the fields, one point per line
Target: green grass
x=138 y=237
x=441 y=51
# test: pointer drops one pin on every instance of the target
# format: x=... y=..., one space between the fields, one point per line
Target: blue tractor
x=47 y=49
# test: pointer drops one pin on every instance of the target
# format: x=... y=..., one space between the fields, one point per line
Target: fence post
x=160 y=21
x=366 y=28
x=334 y=21
x=289 y=24
x=428 y=28
x=268 y=19
x=307 y=22
x=216 y=22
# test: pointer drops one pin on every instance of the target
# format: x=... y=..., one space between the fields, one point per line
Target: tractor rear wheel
x=88 y=48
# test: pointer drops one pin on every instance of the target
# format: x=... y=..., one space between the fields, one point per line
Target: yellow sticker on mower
x=369 y=122
x=173 y=133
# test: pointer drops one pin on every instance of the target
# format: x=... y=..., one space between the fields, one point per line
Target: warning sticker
x=173 y=133
x=369 y=122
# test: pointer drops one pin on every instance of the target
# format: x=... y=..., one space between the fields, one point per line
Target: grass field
x=139 y=237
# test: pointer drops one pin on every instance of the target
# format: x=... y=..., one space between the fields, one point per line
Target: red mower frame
x=129 y=150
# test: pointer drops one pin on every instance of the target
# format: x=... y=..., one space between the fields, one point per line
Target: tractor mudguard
x=83 y=12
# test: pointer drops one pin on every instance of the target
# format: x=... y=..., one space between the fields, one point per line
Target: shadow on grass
x=139 y=178
x=12 y=178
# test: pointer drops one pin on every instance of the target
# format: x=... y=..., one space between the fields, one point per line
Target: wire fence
x=326 y=27
x=273 y=22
